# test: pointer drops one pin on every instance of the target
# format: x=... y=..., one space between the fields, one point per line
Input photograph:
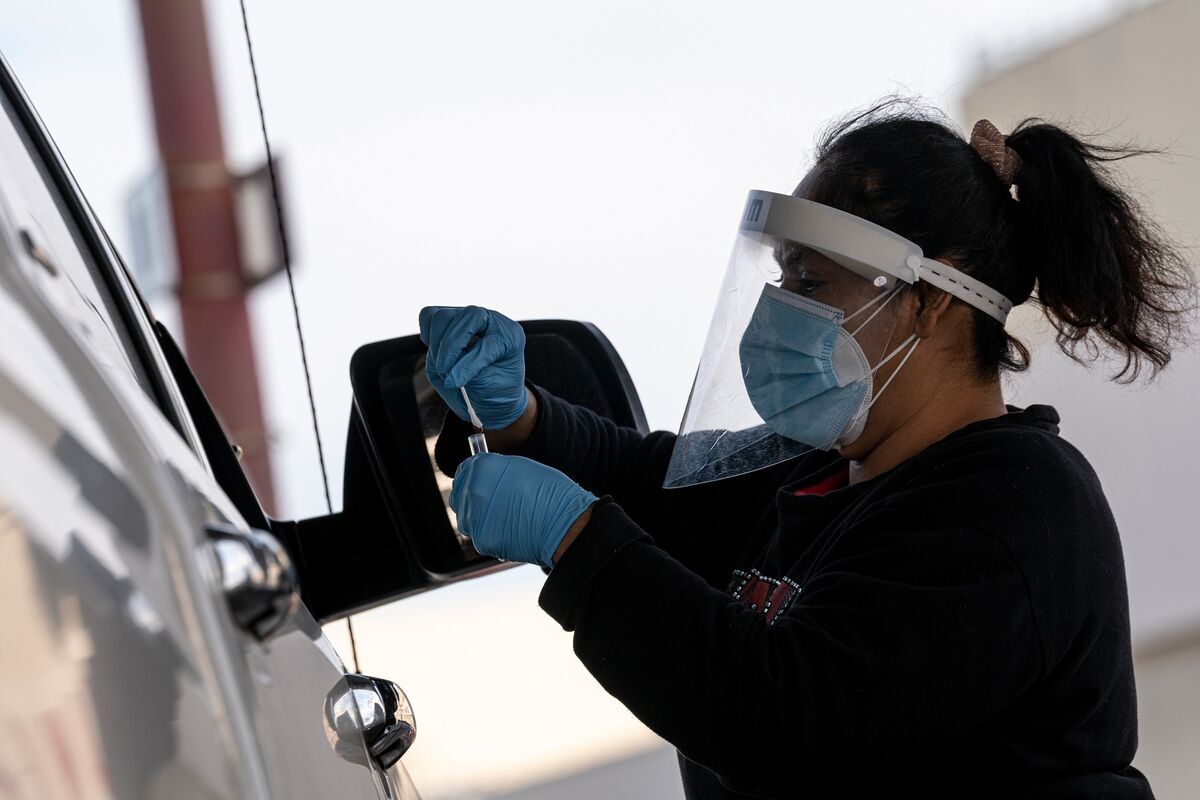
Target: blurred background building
x=545 y=124
x=1134 y=75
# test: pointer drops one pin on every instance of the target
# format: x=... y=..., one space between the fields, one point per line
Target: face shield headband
x=783 y=371
x=869 y=250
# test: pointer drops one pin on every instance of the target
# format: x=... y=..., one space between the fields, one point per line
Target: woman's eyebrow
x=793 y=255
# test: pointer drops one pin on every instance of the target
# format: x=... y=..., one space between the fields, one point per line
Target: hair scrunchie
x=992 y=147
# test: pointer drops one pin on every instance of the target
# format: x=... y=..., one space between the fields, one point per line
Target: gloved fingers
x=425 y=321
x=461 y=476
x=490 y=349
x=447 y=345
x=451 y=397
x=476 y=483
x=434 y=320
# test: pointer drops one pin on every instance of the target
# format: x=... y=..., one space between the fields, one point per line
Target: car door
x=106 y=685
x=267 y=697
x=296 y=672
x=109 y=686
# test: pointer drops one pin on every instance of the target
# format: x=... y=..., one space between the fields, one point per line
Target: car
x=162 y=634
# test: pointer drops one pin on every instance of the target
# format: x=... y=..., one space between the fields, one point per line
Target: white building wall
x=1134 y=78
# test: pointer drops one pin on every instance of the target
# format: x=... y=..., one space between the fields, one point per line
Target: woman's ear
x=932 y=303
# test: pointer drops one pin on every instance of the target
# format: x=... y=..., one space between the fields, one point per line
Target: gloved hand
x=493 y=369
x=514 y=508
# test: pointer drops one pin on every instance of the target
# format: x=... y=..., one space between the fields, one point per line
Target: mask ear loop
x=916 y=340
x=886 y=298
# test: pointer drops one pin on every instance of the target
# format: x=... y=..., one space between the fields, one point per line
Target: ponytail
x=1074 y=243
x=1105 y=273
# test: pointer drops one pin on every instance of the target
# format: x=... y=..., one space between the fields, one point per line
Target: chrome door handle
x=257 y=577
x=374 y=711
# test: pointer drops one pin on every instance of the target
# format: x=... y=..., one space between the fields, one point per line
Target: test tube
x=476 y=441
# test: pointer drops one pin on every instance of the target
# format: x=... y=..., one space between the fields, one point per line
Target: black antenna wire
x=287 y=268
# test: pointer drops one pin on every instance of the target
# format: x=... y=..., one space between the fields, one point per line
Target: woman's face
x=879 y=330
x=871 y=316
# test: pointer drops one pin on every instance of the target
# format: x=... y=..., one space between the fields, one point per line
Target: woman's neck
x=927 y=423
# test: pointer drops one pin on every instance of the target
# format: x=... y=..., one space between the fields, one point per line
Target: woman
x=876 y=578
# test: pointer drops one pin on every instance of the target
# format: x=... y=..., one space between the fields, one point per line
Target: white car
x=160 y=634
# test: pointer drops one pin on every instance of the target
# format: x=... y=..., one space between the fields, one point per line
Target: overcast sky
x=547 y=159
x=581 y=160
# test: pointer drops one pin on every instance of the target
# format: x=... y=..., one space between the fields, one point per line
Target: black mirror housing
x=395 y=535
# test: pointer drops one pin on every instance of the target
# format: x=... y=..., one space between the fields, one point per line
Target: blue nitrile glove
x=493 y=369
x=514 y=508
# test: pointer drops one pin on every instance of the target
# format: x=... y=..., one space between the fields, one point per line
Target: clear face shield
x=806 y=318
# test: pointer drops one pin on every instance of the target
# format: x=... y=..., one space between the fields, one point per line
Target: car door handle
x=374 y=711
x=257 y=578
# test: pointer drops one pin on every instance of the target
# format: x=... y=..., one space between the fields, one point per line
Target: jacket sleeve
x=699 y=525
x=890 y=653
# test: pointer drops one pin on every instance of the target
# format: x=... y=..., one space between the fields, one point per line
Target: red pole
x=212 y=294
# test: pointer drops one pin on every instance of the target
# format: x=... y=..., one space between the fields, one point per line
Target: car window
x=49 y=236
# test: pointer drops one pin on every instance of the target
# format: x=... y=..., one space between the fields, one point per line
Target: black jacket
x=957 y=627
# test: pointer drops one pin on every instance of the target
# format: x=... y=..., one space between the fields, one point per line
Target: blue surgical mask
x=805 y=374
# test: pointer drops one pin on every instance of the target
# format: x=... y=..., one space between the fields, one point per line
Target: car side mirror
x=396 y=533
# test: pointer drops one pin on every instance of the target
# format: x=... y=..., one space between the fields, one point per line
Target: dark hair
x=1075 y=243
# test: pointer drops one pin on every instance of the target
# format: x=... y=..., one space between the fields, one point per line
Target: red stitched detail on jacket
x=771 y=596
